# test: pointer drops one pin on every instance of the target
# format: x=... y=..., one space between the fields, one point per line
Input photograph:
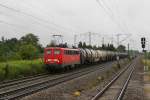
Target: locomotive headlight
x=52 y=60
x=56 y=60
x=49 y=60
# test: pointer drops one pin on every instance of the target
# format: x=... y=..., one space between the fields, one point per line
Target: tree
x=27 y=47
x=3 y=39
x=84 y=45
x=33 y=40
x=28 y=51
x=103 y=47
x=40 y=48
x=121 y=48
x=4 y=50
x=29 y=39
x=89 y=46
x=13 y=44
x=112 y=48
x=80 y=45
x=94 y=47
x=8 y=48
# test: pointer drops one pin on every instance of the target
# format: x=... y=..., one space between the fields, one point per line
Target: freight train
x=62 y=58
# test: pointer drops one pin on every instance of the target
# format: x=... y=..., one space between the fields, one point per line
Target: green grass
x=21 y=68
x=146 y=63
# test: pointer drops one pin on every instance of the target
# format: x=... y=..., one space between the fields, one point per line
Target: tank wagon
x=61 y=58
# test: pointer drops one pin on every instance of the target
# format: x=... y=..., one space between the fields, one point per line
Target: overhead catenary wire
x=20 y=26
x=109 y=14
x=17 y=27
x=12 y=26
x=119 y=17
x=117 y=14
x=108 y=10
x=9 y=24
x=37 y=18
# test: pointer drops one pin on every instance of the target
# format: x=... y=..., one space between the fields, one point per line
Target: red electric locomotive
x=57 y=57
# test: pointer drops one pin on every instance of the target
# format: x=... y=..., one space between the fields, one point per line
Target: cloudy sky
x=104 y=18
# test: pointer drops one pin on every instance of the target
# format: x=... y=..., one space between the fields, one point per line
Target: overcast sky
x=105 y=18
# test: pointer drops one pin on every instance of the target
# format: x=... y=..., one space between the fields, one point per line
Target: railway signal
x=143 y=42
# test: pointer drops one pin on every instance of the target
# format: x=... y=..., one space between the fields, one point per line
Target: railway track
x=20 y=88
x=115 y=89
x=22 y=80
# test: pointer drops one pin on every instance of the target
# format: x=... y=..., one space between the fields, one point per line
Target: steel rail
x=123 y=90
x=99 y=94
x=26 y=90
x=23 y=78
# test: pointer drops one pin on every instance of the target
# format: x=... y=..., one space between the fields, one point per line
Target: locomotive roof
x=61 y=48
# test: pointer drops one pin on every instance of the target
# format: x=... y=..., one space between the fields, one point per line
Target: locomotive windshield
x=56 y=52
x=48 y=51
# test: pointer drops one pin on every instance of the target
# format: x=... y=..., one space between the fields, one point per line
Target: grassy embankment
x=21 y=68
x=146 y=62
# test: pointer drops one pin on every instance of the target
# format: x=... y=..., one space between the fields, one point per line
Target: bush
x=13 y=56
x=28 y=51
x=2 y=71
x=16 y=69
x=147 y=55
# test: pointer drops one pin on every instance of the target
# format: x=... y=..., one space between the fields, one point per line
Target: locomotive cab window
x=48 y=51
x=56 y=52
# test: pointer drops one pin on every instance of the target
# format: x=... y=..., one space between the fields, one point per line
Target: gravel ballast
x=135 y=89
x=81 y=88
